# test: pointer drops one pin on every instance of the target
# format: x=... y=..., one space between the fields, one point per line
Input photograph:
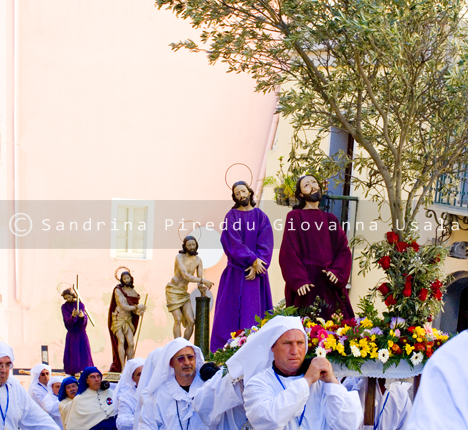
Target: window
x=132 y=232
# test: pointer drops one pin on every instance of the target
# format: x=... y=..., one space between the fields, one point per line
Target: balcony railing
x=456 y=197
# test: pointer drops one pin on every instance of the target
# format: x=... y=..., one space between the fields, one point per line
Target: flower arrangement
x=354 y=341
x=414 y=283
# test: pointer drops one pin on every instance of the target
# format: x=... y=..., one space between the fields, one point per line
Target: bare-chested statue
x=124 y=313
x=178 y=299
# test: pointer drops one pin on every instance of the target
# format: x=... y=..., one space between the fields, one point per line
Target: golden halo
x=60 y=283
x=193 y=222
x=121 y=267
x=236 y=164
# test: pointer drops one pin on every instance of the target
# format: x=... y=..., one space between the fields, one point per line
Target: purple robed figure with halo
x=244 y=288
x=77 y=353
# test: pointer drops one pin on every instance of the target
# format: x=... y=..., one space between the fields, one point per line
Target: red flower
x=238 y=332
x=436 y=285
x=349 y=322
x=435 y=260
x=392 y=237
x=437 y=294
x=411 y=329
x=429 y=352
x=384 y=289
x=401 y=246
x=396 y=349
x=418 y=346
x=385 y=262
x=415 y=246
x=390 y=300
x=423 y=294
x=407 y=290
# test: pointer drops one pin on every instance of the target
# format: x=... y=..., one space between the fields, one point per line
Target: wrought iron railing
x=452 y=192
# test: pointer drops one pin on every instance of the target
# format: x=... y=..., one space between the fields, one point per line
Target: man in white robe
x=168 y=405
x=125 y=393
x=67 y=393
x=441 y=401
x=93 y=407
x=281 y=394
x=18 y=409
x=141 y=393
x=40 y=375
x=50 y=403
x=219 y=402
x=392 y=402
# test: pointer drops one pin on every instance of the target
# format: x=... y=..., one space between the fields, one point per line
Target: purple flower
x=359 y=319
x=397 y=322
x=342 y=339
x=376 y=331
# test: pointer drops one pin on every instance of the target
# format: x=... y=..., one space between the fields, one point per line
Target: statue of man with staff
x=77 y=353
x=124 y=314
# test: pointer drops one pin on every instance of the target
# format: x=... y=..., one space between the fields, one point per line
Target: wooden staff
x=139 y=329
x=78 y=299
x=77 y=296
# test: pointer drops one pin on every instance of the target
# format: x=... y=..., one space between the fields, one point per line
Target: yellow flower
x=340 y=348
x=329 y=323
x=373 y=337
x=366 y=323
x=264 y=321
x=363 y=353
x=392 y=333
x=390 y=343
x=315 y=341
x=330 y=342
x=374 y=353
x=233 y=335
x=409 y=348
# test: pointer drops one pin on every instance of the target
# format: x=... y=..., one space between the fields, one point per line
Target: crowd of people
x=267 y=384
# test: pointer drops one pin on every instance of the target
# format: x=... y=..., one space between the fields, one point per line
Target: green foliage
x=367 y=309
x=391 y=73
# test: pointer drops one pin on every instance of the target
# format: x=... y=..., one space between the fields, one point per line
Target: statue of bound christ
x=124 y=314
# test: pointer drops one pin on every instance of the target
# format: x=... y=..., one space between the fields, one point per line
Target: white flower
x=355 y=351
x=235 y=342
x=416 y=358
x=384 y=355
x=321 y=321
x=320 y=352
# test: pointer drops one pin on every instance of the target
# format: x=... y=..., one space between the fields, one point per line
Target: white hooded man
x=281 y=392
x=50 y=403
x=168 y=404
x=125 y=400
x=40 y=375
x=17 y=408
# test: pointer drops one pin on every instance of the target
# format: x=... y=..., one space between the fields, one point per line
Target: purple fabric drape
x=247 y=236
x=314 y=241
x=77 y=354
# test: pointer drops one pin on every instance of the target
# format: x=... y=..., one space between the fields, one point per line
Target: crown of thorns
x=117 y=270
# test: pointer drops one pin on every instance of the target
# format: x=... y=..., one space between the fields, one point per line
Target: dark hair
x=125 y=273
x=298 y=192
x=184 y=242
x=237 y=203
x=69 y=292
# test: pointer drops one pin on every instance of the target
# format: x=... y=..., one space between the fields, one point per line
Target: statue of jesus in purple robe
x=77 y=353
x=314 y=256
x=244 y=288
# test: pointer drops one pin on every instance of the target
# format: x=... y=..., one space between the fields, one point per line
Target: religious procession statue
x=314 y=257
x=77 y=353
x=124 y=314
x=186 y=264
x=244 y=288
